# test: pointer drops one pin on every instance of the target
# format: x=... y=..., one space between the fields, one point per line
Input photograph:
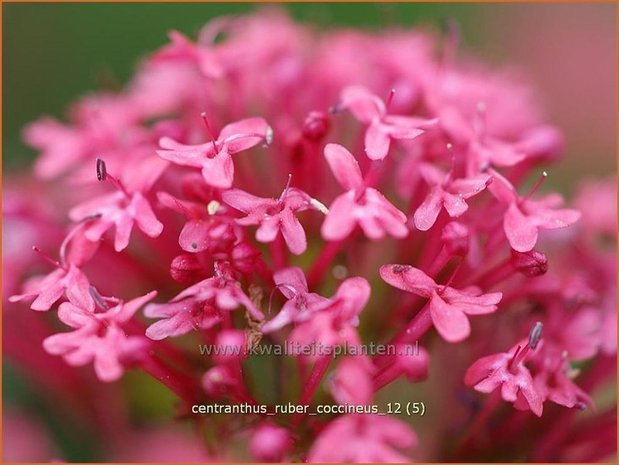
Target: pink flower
x=359 y=204
x=99 y=337
x=352 y=382
x=214 y=158
x=506 y=370
x=204 y=229
x=554 y=383
x=449 y=307
x=270 y=443
x=446 y=192
x=62 y=146
x=363 y=439
x=181 y=49
x=273 y=215
x=524 y=216
x=370 y=109
x=301 y=304
x=335 y=322
x=123 y=208
x=67 y=279
x=198 y=307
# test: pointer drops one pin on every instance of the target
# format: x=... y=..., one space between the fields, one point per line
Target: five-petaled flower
x=198 y=307
x=274 y=215
x=507 y=371
x=360 y=204
x=99 y=337
x=301 y=303
x=525 y=216
x=370 y=109
x=449 y=307
x=446 y=192
x=215 y=157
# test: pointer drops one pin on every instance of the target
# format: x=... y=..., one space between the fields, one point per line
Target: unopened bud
x=270 y=443
x=231 y=345
x=218 y=381
x=186 y=268
x=315 y=126
x=530 y=264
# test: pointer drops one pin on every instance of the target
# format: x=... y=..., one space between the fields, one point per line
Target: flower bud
x=231 y=345
x=269 y=443
x=218 y=381
x=315 y=126
x=413 y=361
x=530 y=264
x=244 y=257
x=186 y=269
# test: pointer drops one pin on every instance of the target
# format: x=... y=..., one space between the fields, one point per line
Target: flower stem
x=318 y=371
x=317 y=272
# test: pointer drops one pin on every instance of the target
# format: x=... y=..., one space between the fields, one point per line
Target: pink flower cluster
x=269 y=184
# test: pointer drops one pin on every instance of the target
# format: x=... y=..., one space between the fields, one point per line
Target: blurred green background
x=53 y=53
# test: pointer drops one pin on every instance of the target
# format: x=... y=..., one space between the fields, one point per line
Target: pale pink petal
x=194 y=236
x=267 y=232
x=364 y=105
x=343 y=166
x=219 y=170
x=520 y=230
x=124 y=225
x=426 y=214
x=554 y=219
x=78 y=289
x=454 y=204
x=293 y=232
x=243 y=201
x=290 y=277
x=409 y=279
x=451 y=323
x=145 y=217
x=377 y=141
x=468 y=187
x=431 y=174
x=340 y=221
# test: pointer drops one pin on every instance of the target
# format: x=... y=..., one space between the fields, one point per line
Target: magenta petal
x=426 y=214
x=520 y=230
x=344 y=166
x=377 y=141
x=451 y=323
x=409 y=279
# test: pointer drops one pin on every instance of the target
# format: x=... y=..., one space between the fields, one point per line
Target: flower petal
x=343 y=166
